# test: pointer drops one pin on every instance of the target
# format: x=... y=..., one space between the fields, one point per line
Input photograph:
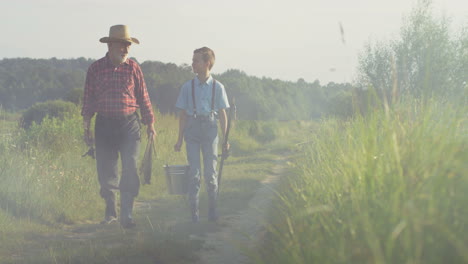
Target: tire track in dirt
x=232 y=243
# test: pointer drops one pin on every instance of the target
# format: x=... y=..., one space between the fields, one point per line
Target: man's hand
x=150 y=131
x=88 y=136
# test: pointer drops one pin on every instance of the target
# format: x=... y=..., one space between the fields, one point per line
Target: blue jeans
x=202 y=135
x=114 y=136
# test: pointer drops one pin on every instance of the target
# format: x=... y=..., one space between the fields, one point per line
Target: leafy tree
x=426 y=59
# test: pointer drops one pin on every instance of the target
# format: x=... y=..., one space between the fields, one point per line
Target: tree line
x=25 y=81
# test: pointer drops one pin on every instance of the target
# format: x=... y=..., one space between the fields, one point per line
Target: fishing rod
x=225 y=153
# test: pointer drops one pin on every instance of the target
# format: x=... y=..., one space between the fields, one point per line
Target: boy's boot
x=126 y=210
x=212 y=211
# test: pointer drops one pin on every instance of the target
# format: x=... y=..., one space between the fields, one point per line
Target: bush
x=262 y=131
x=39 y=111
x=75 y=96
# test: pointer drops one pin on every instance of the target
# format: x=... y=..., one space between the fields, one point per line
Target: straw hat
x=119 y=33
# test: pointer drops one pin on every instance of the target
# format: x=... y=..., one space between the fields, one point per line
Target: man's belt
x=118 y=118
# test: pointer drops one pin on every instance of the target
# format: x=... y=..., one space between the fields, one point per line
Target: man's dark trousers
x=113 y=136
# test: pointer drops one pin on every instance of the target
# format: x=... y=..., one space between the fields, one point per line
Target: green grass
x=387 y=188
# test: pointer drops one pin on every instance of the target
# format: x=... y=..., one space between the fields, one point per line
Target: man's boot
x=110 y=214
x=126 y=210
x=194 y=211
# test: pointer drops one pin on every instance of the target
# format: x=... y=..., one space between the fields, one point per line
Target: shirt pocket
x=103 y=86
x=129 y=86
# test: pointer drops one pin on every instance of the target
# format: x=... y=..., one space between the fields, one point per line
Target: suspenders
x=193 y=97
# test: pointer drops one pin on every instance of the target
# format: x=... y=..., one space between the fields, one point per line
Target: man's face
x=118 y=51
x=198 y=64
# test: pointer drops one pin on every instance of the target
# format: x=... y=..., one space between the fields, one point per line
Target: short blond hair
x=207 y=55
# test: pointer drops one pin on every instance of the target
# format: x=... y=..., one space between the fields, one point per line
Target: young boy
x=202 y=102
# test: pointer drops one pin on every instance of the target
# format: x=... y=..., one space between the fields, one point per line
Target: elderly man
x=115 y=89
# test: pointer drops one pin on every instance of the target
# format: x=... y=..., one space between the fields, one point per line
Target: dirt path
x=232 y=243
x=160 y=221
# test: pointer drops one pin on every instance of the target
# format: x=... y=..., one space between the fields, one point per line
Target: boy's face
x=199 y=66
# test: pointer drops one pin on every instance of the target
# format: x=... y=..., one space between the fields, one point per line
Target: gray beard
x=120 y=59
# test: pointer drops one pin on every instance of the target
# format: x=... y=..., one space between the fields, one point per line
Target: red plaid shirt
x=116 y=91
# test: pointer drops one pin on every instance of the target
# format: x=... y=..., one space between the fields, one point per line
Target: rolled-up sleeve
x=222 y=101
x=182 y=102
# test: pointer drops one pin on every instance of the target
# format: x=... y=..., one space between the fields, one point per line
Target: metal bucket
x=177 y=178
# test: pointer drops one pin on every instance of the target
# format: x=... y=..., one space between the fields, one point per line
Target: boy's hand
x=178 y=146
x=226 y=148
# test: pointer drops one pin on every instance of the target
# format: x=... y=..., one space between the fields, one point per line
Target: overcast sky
x=283 y=39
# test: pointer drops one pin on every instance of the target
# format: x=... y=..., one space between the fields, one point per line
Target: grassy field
x=50 y=204
x=390 y=187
